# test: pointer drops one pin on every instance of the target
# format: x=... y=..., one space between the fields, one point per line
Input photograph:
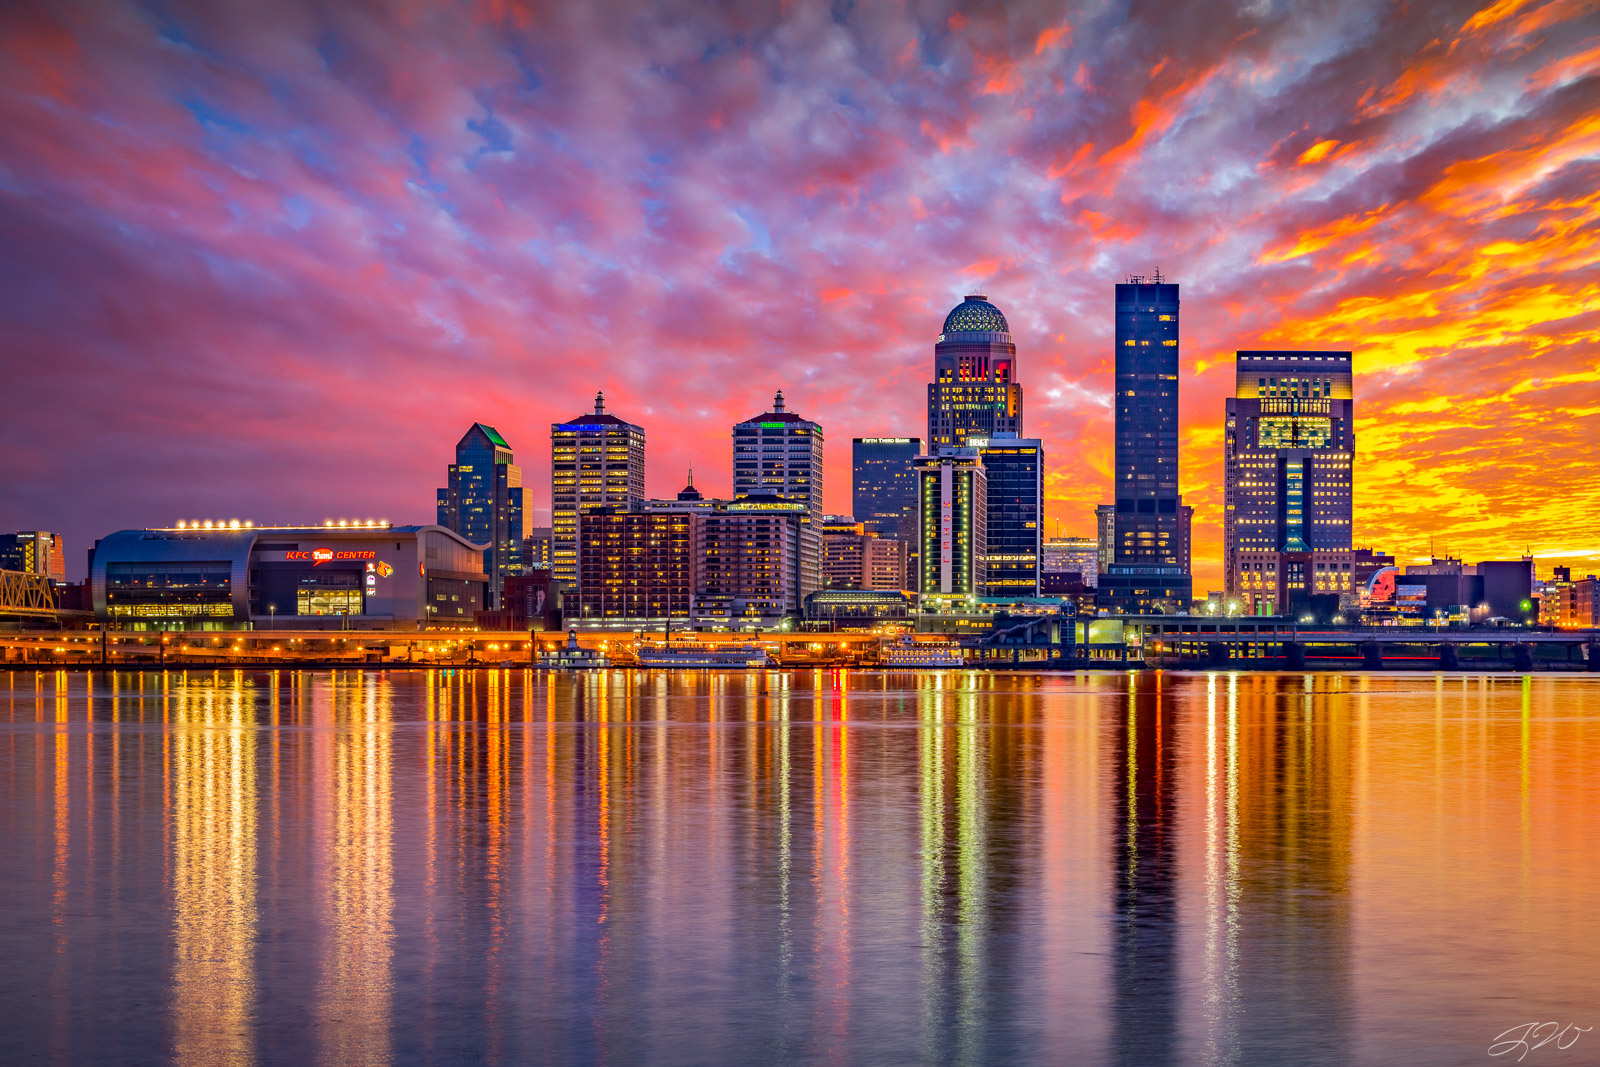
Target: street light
x=272 y=616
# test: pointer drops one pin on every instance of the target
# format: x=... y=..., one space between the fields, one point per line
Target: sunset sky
x=269 y=261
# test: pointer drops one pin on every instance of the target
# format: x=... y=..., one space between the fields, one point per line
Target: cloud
x=272 y=262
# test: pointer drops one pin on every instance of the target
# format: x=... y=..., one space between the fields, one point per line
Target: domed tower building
x=974 y=392
x=981 y=486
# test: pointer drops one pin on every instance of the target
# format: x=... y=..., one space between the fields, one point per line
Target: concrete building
x=954 y=534
x=689 y=501
x=596 y=460
x=369 y=576
x=483 y=502
x=636 y=566
x=34 y=552
x=854 y=557
x=778 y=453
x=1288 y=458
x=538 y=549
x=974 y=392
x=1072 y=555
x=1149 y=569
x=749 y=562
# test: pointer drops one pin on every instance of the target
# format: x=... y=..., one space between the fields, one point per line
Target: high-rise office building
x=1288 y=448
x=33 y=551
x=483 y=503
x=884 y=490
x=974 y=392
x=953 y=510
x=1149 y=570
x=596 y=460
x=1013 y=468
x=779 y=453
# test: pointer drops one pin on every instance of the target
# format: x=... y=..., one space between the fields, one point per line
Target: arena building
x=238 y=576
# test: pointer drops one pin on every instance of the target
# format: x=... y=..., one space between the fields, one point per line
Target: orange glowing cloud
x=224 y=226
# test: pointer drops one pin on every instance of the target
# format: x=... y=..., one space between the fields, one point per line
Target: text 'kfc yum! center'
x=234 y=575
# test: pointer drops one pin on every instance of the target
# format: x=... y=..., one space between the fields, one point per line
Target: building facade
x=1072 y=555
x=1013 y=469
x=953 y=521
x=483 y=502
x=778 y=453
x=596 y=460
x=749 y=562
x=538 y=549
x=1149 y=568
x=883 y=490
x=366 y=577
x=853 y=557
x=636 y=565
x=34 y=552
x=975 y=391
x=1288 y=457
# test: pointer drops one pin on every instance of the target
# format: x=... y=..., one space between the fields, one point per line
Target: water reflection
x=211 y=780
x=805 y=867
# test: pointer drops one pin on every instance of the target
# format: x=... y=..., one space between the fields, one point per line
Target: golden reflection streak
x=972 y=875
x=62 y=813
x=355 y=999
x=211 y=771
x=931 y=767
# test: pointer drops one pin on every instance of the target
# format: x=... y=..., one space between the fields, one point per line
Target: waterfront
x=795 y=867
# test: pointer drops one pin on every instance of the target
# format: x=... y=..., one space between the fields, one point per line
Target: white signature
x=1525 y=1037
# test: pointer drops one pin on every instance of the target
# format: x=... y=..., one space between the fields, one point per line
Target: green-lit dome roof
x=975 y=315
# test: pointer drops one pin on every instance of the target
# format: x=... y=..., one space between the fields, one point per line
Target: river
x=797 y=867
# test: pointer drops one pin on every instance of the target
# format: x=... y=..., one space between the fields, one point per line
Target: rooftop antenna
x=1158 y=275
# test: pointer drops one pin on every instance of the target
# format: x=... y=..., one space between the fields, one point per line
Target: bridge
x=1175 y=641
x=23 y=593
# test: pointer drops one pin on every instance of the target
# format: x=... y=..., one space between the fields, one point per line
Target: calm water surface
x=349 y=868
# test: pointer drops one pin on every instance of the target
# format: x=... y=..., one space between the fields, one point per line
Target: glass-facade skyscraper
x=974 y=392
x=483 y=503
x=1288 y=452
x=596 y=460
x=1014 y=469
x=1149 y=570
x=883 y=490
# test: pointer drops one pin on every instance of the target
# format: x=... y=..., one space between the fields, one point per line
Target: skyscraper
x=1149 y=570
x=953 y=508
x=778 y=453
x=974 y=392
x=884 y=490
x=1288 y=448
x=596 y=460
x=483 y=503
x=1013 y=469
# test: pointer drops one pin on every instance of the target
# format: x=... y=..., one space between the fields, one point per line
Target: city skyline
x=327 y=239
